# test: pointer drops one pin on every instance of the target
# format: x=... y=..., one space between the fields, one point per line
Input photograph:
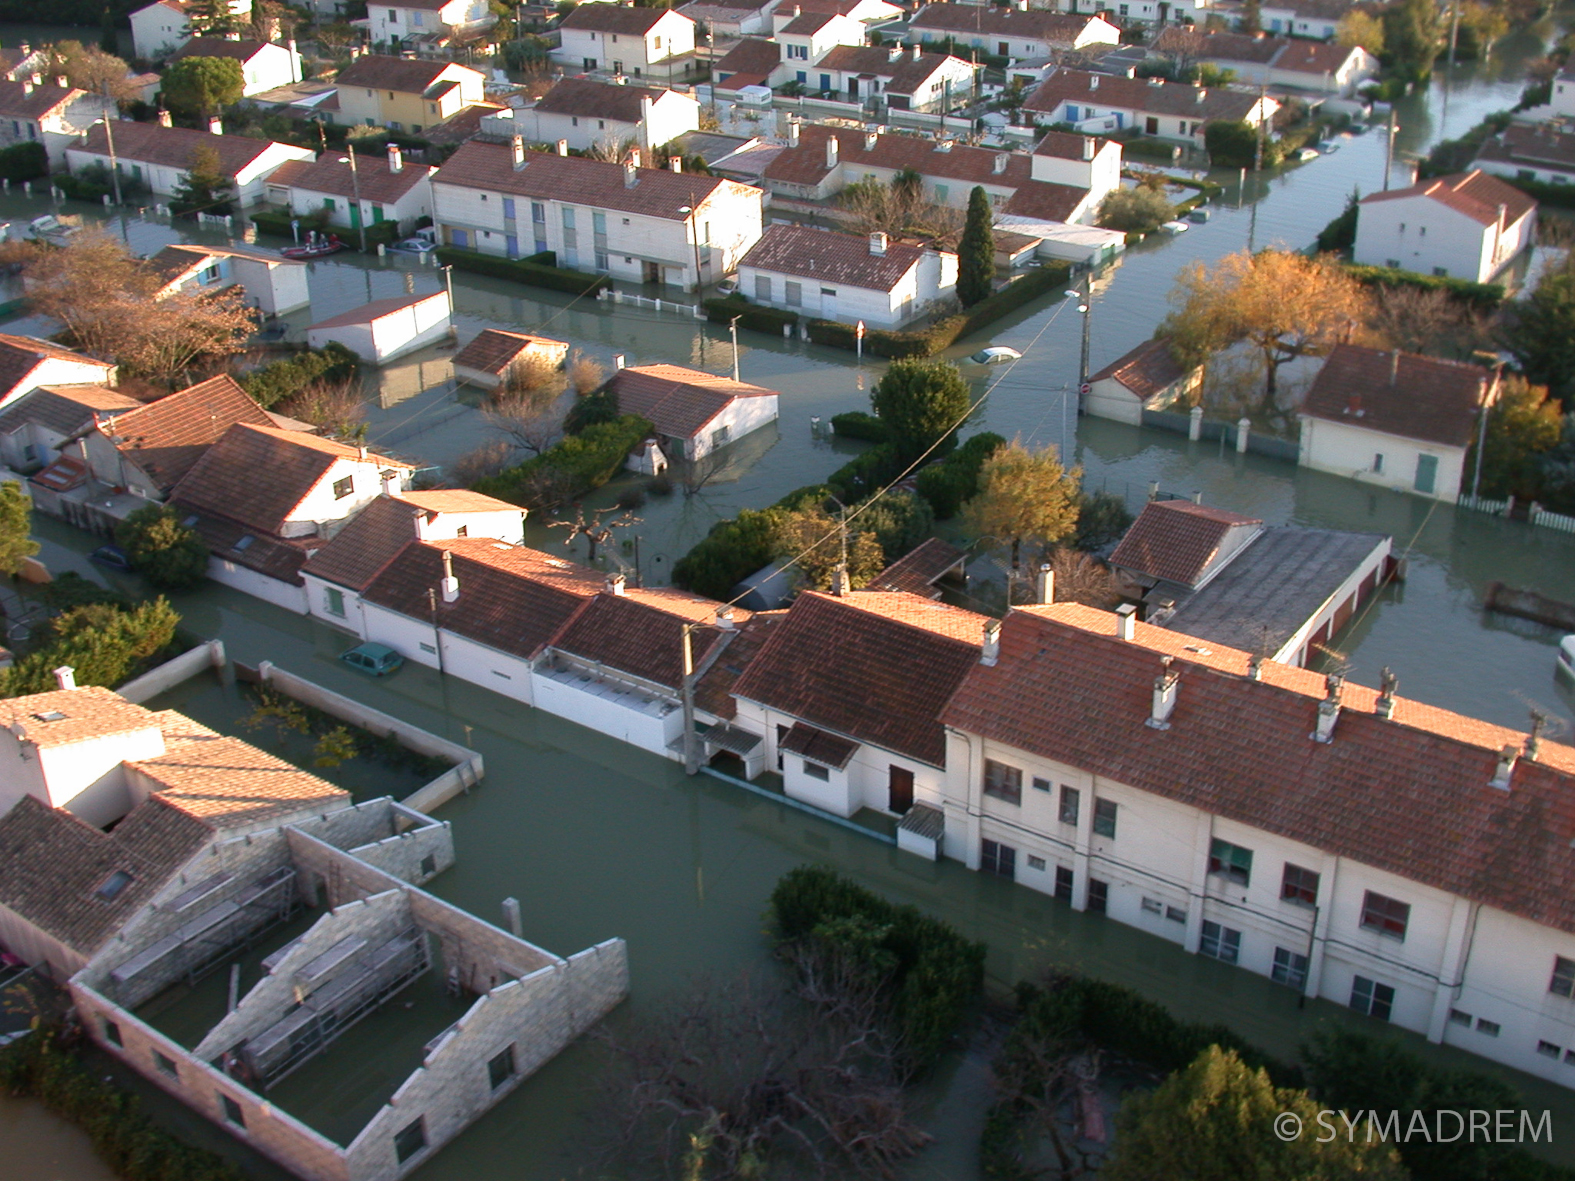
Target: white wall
x=740 y=418
x=276 y=288
x=598 y=704
x=84 y=777
x=583 y=49
x=1347 y=450
x=59 y=371
x=260 y=586
x=1426 y=236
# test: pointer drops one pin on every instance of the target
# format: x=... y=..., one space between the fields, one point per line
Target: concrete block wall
x=272 y=1132
x=359 y=824
x=405 y=854
x=173 y=672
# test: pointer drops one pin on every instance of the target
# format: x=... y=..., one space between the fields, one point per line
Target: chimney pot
x=918 y=51
x=1166 y=687
x=1385 y=707
x=216 y=126
x=1044 y=585
x=878 y=243
x=724 y=618
x=563 y=147
x=164 y=118
x=1000 y=162
x=517 y=150
x=792 y=132
x=991 y=649
x=1197 y=497
x=396 y=159
x=1088 y=147
x=676 y=163
x=618 y=360
x=1394 y=367
x=1126 y=621
x=1255 y=667
x=450 y=584
x=615 y=585
x=833 y=150
x=1093 y=82
x=871 y=138
x=66 y=677
x=1507 y=758
x=1329 y=709
x=391 y=482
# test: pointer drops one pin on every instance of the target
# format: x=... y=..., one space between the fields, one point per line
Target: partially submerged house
x=273 y=284
x=1147 y=378
x=386 y=328
x=1094 y=102
x=1259 y=60
x=1012 y=32
x=1469 y=225
x=694 y=413
x=389 y=189
x=263 y=66
x=33 y=111
x=159 y=156
x=487 y=358
x=1529 y=151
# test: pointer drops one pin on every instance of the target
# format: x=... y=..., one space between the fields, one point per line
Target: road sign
x=1085 y=389
x=859 y=331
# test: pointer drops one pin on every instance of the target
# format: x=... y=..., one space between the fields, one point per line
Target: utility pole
x=732 y=327
x=355 y=188
x=1454 y=30
x=1389 y=146
x=1085 y=305
x=1257 y=151
x=687 y=687
x=114 y=165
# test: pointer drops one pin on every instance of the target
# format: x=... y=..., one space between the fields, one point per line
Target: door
x=828 y=303
x=853 y=88
x=825 y=81
x=355 y=215
x=652 y=272
x=461 y=238
x=513 y=244
x=1151 y=125
x=900 y=790
x=1426 y=473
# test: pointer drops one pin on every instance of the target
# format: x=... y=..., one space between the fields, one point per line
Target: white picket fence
x=644 y=301
x=1499 y=508
x=1541 y=516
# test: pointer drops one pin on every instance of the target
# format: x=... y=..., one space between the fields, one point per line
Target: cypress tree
x=976 y=252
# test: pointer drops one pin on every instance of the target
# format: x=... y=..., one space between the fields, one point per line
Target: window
x=940 y=194
x=1392 y=263
x=1441 y=272
x=1457 y=1017
x=112 y=1034
x=410 y=1139
x=1563 y=981
x=344 y=487
x=1385 y=915
x=1372 y=998
x=334 y=601
x=998 y=859
x=1548 y=1049
x=1063 y=883
x=798 y=51
x=232 y=1111
x=1378 y=463
x=1219 y=942
x=114 y=885
x=538 y=213
x=501 y=1068
x=1037 y=863
x=462 y=531
x=1098 y=895
x=1153 y=906
x=1289 y=968
x=1071 y=801
x=429 y=865
x=794 y=294
x=1299 y=886
x=763 y=288
x=1231 y=862
x=393 y=19
x=418 y=19
x=1003 y=782
x=1105 y=818
x=720 y=436
x=508 y=208
x=1175 y=914
x=816 y=771
x=429 y=648
x=1490 y=1028
x=166 y=1065
x=1041 y=784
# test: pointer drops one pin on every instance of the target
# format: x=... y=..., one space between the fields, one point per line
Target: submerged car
x=996 y=354
x=111 y=557
x=376 y=660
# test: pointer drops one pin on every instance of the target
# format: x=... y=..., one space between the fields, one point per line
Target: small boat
x=1308 y=154
x=1565 y=661
x=316 y=246
x=1198 y=216
x=1175 y=227
x=995 y=355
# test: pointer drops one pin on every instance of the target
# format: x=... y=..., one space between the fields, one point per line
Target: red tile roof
x=242 y=51
x=640 y=633
x=494 y=350
x=1476 y=194
x=279 y=558
x=1066 y=145
x=818 y=746
x=1315 y=57
x=404 y=75
x=1147 y=370
x=20 y=355
x=1176 y=540
x=1139 y=94
x=806 y=164
x=832 y=257
x=752 y=57
x=906 y=74
x=917 y=571
x=1237 y=47
x=457 y=500
x=1055 y=28
x=1531 y=143
x=872 y=666
x=1046 y=201
x=23 y=100
x=374 y=537
x=65 y=409
x=1399 y=393
x=173 y=147
x=678 y=401
x=378 y=182
x=166 y=438
x=714 y=689
x=598 y=100
x=613 y=18
x=807 y=23
x=1409 y=795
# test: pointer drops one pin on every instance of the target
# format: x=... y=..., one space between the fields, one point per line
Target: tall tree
x=1542 y=331
x=166 y=552
x=209 y=18
x=1219 y=1118
x=814 y=537
x=1522 y=425
x=16 y=527
x=205 y=188
x=1024 y=496
x=1361 y=29
x=1285 y=305
x=201 y=87
x=1412 y=29
x=922 y=403
x=976 y=251
x=89 y=68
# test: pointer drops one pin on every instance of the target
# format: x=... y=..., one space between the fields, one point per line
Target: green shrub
x=1135 y=211
x=1339 y=236
x=1485 y=296
x=865 y=474
x=856 y=424
x=733 y=550
x=27 y=161
x=937 y=973
x=81 y=188
x=274 y=382
x=571 y=467
x=1561 y=196
x=163 y=549
x=751 y=316
x=521 y=271
x=1233 y=143
x=105 y=643
x=947 y=485
x=900 y=521
x=276 y=223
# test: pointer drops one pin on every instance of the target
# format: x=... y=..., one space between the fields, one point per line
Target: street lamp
x=694 y=240
x=355 y=189
x=1085 y=306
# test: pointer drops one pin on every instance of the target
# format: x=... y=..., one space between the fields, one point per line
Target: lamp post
x=355 y=189
x=114 y=171
x=694 y=240
x=1085 y=306
x=732 y=327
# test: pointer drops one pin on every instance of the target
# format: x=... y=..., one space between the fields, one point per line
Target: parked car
x=727 y=286
x=111 y=557
x=376 y=660
x=422 y=241
x=1566 y=657
x=996 y=354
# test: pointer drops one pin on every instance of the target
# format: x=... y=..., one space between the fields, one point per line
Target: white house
x=162 y=27
x=1257 y=59
x=1529 y=151
x=33 y=426
x=160 y=156
x=890 y=76
x=1395 y=419
x=847 y=277
x=1466 y=226
x=273 y=284
x=1147 y=12
x=806 y=37
x=28 y=362
x=405 y=93
x=656 y=43
x=1146 y=378
x=56 y=116
x=1563 y=96
x=389 y=189
x=586 y=114
x=694 y=413
x=386 y=328
x=263 y=66
x=486 y=360
x=728 y=19
x=1015 y=32
x=1170 y=110
x=649 y=225
x=396 y=22
x=1318 y=19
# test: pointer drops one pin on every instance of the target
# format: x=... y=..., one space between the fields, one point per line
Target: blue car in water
x=111 y=557
x=376 y=660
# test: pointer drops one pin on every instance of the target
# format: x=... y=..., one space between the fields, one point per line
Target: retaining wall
x=173 y=672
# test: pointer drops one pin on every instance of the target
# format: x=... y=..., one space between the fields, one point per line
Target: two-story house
x=1169 y=110
x=642 y=224
x=1316 y=19
x=1015 y=32
x=388 y=189
x=53 y=115
x=395 y=23
x=33 y=427
x=263 y=66
x=160 y=28
x=806 y=37
x=1470 y=225
x=656 y=43
x=405 y=94
x=891 y=76
x=159 y=156
x=845 y=277
x=1259 y=60
x=586 y=113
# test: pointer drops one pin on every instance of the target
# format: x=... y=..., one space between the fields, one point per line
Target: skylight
x=243 y=543
x=114 y=885
x=53 y=715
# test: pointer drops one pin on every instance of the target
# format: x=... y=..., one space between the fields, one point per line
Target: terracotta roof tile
x=1139 y=94
x=457 y=500
x=613 y=18
x=1409 y=795
x=172 y=147
x=375 y=536
x=20 y=355
x=64 y=716
x=1146 y=370
x=807 y=23
x=220 y=47
x=872 y=666
x=246 y=545
x=65 y=409
x=1531 y=143
x=1476 y=194
x=917 y=571
x=752 y=56
x=1314 y=57
x=641 y=633
x=1176 y=540
x=714 y=689
x=831 y=257
x=404 y=75
x=227 y=782
x=806 y=164
x=907 y=75
x=677 y=401
x=165 y=438
x=379 y=183
x=23 y=100
x=1066 y=145
x=1046 y=201
x=1056 y=28
x=597 y=100
x=1414 y=397
x=494 y=350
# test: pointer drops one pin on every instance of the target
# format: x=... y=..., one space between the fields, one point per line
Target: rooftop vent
x=1329 y=709
x=991 y=649
x=1126 y=621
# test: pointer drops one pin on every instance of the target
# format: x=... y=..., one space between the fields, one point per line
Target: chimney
x=63 y=82
x=991 y=650
x=878 y=243
x=615 y=585
x=1329 y=709
x=1507 y=758
x=618 y=361
x=646 y=106
x=1202 y=94
x=396 y=159
x=839 y=580
x=1255 y=667
x=1534 y=739
x=918 y=51
x=28 y=84
x=1385 y=706
x=797 y=12
x=563 y=147
x=66 y=677
x=215 y=126
x=1394 y=367
x=1126 y=621
x=871 y=138
x=450 y=584
x=1197 y=497
x=792 y=133
x=998 y=165
x=164 y=118
x=637 y=157
x=360 y=452
x=894 y=53
x=517 y=151
x=295 y=60
x=391 y=482
x=1088 y=147
x=1044 y=585
x=833 y=149
x=724 y=618
x=944 y=145
x=1165 y=689
x=1093 y=81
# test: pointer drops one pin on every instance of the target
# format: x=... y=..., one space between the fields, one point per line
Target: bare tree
x=1079 y=578
x=585 y=373
x=596 y=529
x=1416 y=320
x=1056 y=1084
x=339 y=407
x=901 y=209
x=609 y=147
x=486 y=460
x=527 y=408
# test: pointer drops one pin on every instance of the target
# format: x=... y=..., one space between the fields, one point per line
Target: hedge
x=273 y=222
x=78 y=188
x=947 y=485
x=274 y=382
x=1561 y=196
x=752 y=316
x=130 y=1143
x=856 y=424
x=573 y=466
x=522 y=271
x=938 y=974
x=738 y=546
x=27 y=161
x=1486 y=296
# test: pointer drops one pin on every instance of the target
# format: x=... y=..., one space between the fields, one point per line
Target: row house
x=729 y=19
x=404 y=94
x=656 y=43
x=160 y=28
x=692 y=413
x=34 y=426
x=377 y=190
x=1317 y=19
x=272 y=283
x=589 y=114
x=893 y=77
x=395 y=23
x=835 y=276
x=34 y=111
x=27 y=362
x=1227 y=803
x=1260 y=60
x=1529 y=151
x=159 y=156
x=1169 y=110
x=639 y=224
x=263 y=66
x=1469 y=225
x=1147 y=12
x=1015 y=32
